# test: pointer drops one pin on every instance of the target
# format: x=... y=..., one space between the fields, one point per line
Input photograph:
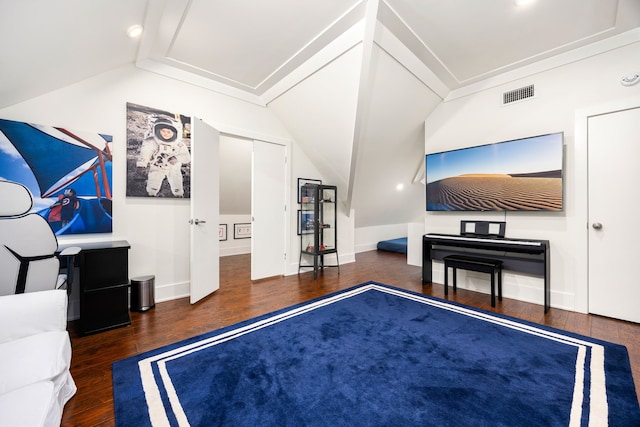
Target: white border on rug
x=598 y=411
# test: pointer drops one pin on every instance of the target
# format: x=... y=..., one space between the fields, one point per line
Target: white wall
x=480 y=119
x=157 y=230
x=367 y=238
x=235 y=175
x=415 y=231
x=233 y=246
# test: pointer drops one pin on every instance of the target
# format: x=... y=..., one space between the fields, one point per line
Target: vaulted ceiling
x=251 y=45
x=376 y=67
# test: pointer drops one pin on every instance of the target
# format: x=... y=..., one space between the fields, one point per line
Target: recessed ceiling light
x=134 y=31
x=523 y=2
x=400 y=187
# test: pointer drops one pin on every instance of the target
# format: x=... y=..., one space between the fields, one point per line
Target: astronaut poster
x=158 y=153
x=68 y=173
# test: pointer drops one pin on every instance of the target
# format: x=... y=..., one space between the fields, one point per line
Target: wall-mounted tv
x=519 y=175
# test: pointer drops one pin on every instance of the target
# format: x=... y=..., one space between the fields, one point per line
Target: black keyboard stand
x=520 y=255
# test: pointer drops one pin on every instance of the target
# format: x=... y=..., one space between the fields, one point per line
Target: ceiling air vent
x=518 y=94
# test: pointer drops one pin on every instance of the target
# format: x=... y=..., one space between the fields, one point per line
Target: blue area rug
x=375 y=355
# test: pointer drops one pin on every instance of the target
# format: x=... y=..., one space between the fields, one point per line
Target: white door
x=205 y=210
x=268 y=204
x=613 y=153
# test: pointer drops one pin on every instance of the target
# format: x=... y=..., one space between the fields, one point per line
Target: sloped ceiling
x=320 y=112
x=351 y=79
x=392 y=146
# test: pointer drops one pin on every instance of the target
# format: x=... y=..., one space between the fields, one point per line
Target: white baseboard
x=515 y=286
x=182 y=290
x=235 y=251
x=172 y=291
x=365 y=247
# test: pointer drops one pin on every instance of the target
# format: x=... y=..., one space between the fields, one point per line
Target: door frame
x=581 y=224
x=286 y=143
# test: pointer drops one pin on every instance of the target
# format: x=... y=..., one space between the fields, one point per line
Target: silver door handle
x=196 y=221
x=597 y=226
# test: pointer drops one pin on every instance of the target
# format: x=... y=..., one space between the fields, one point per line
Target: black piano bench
x=482 y=265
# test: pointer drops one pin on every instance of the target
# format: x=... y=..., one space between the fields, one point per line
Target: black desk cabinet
x=104 y=285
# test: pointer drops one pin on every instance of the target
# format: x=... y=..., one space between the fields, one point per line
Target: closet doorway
x=253 y=189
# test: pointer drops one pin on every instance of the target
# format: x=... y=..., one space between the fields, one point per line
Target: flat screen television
x=519 y=175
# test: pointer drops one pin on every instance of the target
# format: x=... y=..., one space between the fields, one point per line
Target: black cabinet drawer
x=104 y=268
x=104 y=309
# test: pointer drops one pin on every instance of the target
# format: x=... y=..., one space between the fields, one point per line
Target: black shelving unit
x=318 y=227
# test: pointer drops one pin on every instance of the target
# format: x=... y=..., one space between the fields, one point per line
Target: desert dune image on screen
x=523 y=174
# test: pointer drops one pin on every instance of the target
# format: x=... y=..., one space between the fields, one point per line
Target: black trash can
x=142 y=293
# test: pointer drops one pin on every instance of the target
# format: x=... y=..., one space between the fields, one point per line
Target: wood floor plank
x=239 y=299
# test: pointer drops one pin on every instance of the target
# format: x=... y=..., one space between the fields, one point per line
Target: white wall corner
x=415 y=231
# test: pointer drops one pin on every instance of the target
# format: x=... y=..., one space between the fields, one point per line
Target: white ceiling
x=245 y=48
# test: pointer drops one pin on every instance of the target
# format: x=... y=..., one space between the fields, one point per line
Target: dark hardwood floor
x=239 y=298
